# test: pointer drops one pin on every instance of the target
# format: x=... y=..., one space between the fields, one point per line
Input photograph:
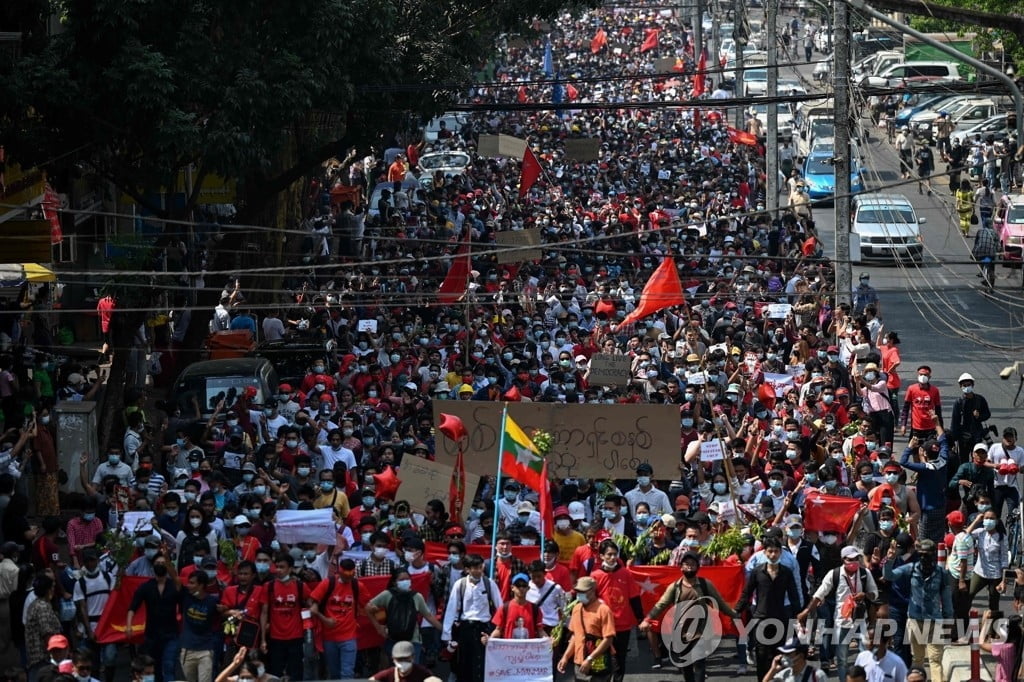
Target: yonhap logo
x=691 y=630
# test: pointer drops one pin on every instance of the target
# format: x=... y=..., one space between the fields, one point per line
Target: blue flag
x=549 y=69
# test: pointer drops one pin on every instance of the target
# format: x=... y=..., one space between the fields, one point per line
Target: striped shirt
x=962 y=550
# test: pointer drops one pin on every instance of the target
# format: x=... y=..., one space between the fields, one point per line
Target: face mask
x=190 y=496
x=302 y=471
x=828 y=399
x=151 y=553
x=608 y=514
x=775 y=561
x=984 y=507
x=691 y=542
x=794 y=533
x=371 y=394
x=380 y=552
x=232 y=422
x=504 y=553
x=775 y=484
x=967 y=389
x=211 y=574
x=687 y=423
x=643 y=481
x=584 y=598
x=327 y=486
x=511 y=495
x=990 y=524
x=870 y=376
x=528 y=542
x=409 y=557
x=886 y=500
x=197 y=560
x=44 y=420
x=885 y=525
x=403 y=585
x=194 y=522
x=524 y=517
x=247 y=478
x=792 y=435
x=892 y=478
x=828 y=539
x=113 y=460
x=792 y=454
x=292 y=443
x=263 y=567
x=923 y=378
x=831 y=485
x=811 y=478
x=563 y=524
x=643 y=518
x=720 y=488
x=260 y=490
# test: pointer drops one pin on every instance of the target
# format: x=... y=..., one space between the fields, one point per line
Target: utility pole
x=698 y=29
x=714 y=57
x=739 y=8
x=841 y=150
x=772 y=146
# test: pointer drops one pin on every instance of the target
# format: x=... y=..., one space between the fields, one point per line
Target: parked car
x=994 y=125
x=453 y=121
x=1009 y=222
x=887 y=227
x=210 y=381
x=785 y=118
x=967 y=115
x=755 y=82
x=924 y=103
x=900 y=74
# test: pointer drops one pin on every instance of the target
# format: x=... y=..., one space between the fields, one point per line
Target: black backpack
x=402 y=616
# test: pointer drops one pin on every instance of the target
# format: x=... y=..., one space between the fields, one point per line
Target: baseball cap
x=955 y=518
x=402 y=650
x=242 y=520
x=9 y=548
x=980 y=446
x=520 y=578
x=525 y=506
x=576 y=511
x=561 y=511
x=850 y=552
x=57 y=642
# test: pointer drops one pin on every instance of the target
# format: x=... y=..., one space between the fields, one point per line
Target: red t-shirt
x=560 y=575
x=616 y=589
x=285 y=604
x=105 y=308
x=45 y=553
x=341 y=607
x=507 y=618
x=583 y=557
x=235 y=600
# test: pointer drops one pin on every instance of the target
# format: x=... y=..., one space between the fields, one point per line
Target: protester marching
x=576 y=396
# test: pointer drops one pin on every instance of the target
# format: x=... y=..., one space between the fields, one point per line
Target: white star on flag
x=817 y=500
x=648 y=585
x=524 y=456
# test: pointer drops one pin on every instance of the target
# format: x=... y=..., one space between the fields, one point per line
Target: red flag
x=654 y=580
x=650 y=39
x=546 y=509
x=599 y=40
x=698 y=79
x=530 y=172
x=662 y=290
x=829 y=513
x=454 y=285
x=457 y=489
x=571 y=93
x=435 y=552
x=521 y=95
x=697 y=120
x=741 y=136
x=51 y=211
x=370 y=587
x=111 y=627
x=513 y=395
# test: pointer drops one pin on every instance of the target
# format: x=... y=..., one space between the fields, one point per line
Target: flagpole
x=465 y=299
x=543 y=517
x=497 y=498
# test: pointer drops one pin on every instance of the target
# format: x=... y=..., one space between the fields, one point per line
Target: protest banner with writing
x=518 y=238
x=423 y=480
x=306 y=525
x=779 y=311
x=609 y=370
x=367 y=326
x=711 y=450
x=596 y=441
x=778 y=382
x=522 y=660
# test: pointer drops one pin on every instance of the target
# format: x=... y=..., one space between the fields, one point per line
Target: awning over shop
x=16 y=274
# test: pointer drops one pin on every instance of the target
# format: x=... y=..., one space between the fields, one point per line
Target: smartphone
x=1009 y=577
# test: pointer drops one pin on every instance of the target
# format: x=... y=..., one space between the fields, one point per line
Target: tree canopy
x=255 y=90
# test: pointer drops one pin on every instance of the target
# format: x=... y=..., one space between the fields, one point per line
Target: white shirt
x=95 y=594
x=656 y=499
x=890 y=669
x=997 y=453
x=554 y=601
x=273 y=329
x=475 y=605
x=847 y=585
x=342 y=454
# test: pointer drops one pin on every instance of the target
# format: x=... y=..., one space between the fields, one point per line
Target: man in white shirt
x=334 y=451
x=273 y=327
x=645 y=491
x=881 y=664
x=546 y=594
x=474 y=600
x=1008 y=459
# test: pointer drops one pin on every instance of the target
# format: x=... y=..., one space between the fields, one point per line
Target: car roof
x=883 y=200
x=225 y=367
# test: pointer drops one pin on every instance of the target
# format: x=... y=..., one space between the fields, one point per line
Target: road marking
x=959 y=301
x=943 y=279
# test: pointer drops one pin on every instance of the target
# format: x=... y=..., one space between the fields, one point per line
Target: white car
x=453 y=121
x=888 y=227
x=785 y=124
x=755 y=82
x=991 y=126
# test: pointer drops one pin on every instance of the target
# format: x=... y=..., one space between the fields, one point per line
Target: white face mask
x=563 y=524
x=404 y=666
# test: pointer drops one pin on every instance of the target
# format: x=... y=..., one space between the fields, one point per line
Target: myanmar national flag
x=519 y=457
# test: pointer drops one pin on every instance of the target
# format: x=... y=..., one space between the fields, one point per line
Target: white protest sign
x=367 y=326
x=779 y=311
x=795 y=370
x=136 y=521
x=607 y=369
x=726 y=511
x=711 y=450
x=697 y=378
x=306 y=525
x=778 y=382
x=521 y=660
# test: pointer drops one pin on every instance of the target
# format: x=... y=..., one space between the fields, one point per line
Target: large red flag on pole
x=830 y=513
x=457 y=488
x=454 y=285
x=599 y=40
x=698 y=79
x=650 y=39
x=530 y=172
x=546 y=510
x=662 y=290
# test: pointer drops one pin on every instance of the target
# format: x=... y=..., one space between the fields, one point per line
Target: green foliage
x=145 y=88
x=986 y=39
x=724 y=545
